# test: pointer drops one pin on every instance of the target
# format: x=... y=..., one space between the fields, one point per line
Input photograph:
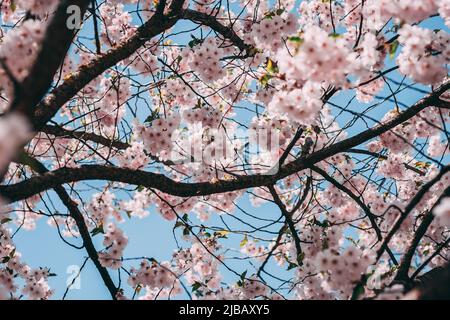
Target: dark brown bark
x=76 y=214
x=38 y=184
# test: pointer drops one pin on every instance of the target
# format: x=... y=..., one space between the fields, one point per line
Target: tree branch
x=76 y=214
x=86 y=73
x=56 y=44
x=403 y=268
x=211 y=21
x=289 y=222
x=38 y=184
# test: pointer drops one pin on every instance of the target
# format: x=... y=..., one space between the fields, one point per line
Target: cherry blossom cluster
x=204 y=5
x=168 y=206
x=115 y=92
x=201 y=270
x=269 y=33
x=208 y=118
x=301 y=105
x=153 y=275
x=175 y=90
x=442 y=211
x=317 y=12
x=424 y=55
x=138 y=205
x=14 y=131
x=101 y=207
x=286 y=76
x=134 y=156
x=343 y=270
x=18 y=51
x=204 y=59
x=117 y=23
x=269 y=133
x=157 y=137
x=253 y=288
x=115 y=242
x=145 y=61
x=333 y=274
x=35 y=285
x=408 y=11
x=320 y=58
x=444 y=11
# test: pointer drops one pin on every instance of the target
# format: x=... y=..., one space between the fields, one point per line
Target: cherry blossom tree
x=327 y=118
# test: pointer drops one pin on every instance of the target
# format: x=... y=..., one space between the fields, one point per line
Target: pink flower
x=442 y=212
x=14 y=131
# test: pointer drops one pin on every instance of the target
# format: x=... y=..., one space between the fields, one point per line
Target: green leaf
x=324 y=224
x=244 y=241
x=296 y=39
x=186 y=232
x=179 y=224
x=359 y=289
x=301 y=257
x=195 y=41
x=5 y=220
x=243 y=275
x=197 y=285
x=264 y=80
x=97 y=230
x=393 y=49
x=335 y=35
x=357 y=292
x=272 y=66
x=222 y=233
x=198 y=105
x=292 y=266
x=153 y=116
x=269 y=15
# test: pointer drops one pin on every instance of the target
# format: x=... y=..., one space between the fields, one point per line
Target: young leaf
x=244 y=241
x=393 y=49
x=97 y=230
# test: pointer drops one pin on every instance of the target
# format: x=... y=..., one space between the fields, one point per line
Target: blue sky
x=152 y=236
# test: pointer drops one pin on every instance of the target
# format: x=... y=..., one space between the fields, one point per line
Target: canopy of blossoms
x=295 y=149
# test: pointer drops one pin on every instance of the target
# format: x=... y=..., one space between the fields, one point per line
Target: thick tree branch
x=433 y=285
x=76 y=214
x=157 y=24
x=56 y=43
x=403 y=269
x=61 y=132
x=38 y=184
x=411 y=205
